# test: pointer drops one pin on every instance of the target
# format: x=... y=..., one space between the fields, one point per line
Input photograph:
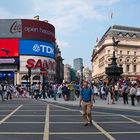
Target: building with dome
x=127 y=52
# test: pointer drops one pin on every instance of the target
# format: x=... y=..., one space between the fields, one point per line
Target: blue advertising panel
x=6 y=74
x=31 y=47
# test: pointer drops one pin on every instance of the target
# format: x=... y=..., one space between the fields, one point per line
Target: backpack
x=65 y=89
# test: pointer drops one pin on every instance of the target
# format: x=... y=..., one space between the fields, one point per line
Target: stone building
x=127 y=52
x=67 y=73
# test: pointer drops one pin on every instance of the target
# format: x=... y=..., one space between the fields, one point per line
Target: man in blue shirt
x=86 y=100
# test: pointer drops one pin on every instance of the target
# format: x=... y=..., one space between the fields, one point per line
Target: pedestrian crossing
x=43 y=121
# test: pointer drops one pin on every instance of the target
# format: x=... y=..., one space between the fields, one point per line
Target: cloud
x=63 y=44
x=67 y=15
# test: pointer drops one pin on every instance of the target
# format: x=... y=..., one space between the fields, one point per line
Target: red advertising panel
x=9 y=48
x=40 y=30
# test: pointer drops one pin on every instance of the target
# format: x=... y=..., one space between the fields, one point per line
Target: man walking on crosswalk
x=86 y=100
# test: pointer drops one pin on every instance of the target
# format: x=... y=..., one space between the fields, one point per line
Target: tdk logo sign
x=37 y=48
x=43 y=49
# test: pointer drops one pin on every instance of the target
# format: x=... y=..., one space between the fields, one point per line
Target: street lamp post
x=82 y=67
x=43 y=72
x=29 y=78
x=7 y=52
x=59 y=68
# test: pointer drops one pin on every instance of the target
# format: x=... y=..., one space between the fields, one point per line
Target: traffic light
x=29 y=72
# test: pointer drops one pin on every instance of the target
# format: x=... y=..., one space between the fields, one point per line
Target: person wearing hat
x=86 y=101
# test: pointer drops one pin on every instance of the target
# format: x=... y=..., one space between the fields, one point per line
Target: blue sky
x=78 y=22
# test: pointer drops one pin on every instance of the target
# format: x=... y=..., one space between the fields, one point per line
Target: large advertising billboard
x=27 y=29
x=37 y=48
x=36 y=63
x=9 y=48
x=33 y=29
x=10 y=28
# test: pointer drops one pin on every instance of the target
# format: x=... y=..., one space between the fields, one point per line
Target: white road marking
x=21 y=133
x=65 y=133
x=24 y=122
x=107 y=134
x=102 y=130
x=65 y=115
x=64 y=107
x=46 y=128
x=130 y=119
x=124 y=132
x=116 y=122
x=9 y=115
x=90 y=133
x=96 y=122
x=65 y=122
x=6 y=110
x=75 y=133
x=63 y=110
x=32 y=110
x=28 y=115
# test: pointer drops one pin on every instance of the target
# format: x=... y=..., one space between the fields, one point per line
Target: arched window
x=36 y=77
x=120 y=34
x=127 y=35
x=127 y=60
x=24 y=77
x=134 y=36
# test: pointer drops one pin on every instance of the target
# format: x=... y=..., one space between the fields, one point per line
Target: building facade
x=87 y=74
x=25 y=44
x=59 y=68
x=127 y=52
x=67 y=73
x=78 y=64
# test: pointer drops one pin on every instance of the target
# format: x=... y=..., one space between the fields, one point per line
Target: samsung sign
x=30 y=47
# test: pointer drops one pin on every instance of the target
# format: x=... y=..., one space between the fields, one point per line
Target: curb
x=104 y=107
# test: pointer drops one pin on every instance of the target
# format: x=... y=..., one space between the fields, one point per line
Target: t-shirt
x=86 y=94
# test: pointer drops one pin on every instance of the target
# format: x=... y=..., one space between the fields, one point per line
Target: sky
x=78 y=23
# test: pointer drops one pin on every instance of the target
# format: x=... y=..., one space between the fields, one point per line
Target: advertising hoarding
x=38 y=48
x=9 y=48
x=9 y=61
x=10 y=28
x=4 y=74
x=36 y=63
x=34 y=29
x=27 y=29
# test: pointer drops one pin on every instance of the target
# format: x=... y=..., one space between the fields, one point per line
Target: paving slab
x=21 y=137
x=72 y=127
x=21 y=127
x=77 y=137
x=26 y=119
x=121 y=127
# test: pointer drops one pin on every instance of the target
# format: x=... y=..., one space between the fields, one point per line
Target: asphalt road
x=27 y=119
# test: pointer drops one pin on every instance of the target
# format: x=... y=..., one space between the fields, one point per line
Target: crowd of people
x=70 y=91
x=8 y=91
x=122 y=88
x=52 y=90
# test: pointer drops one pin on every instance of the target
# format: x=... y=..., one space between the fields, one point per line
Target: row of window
x=127 y=35
x=121 y=52
x=127 y=60
x=128 y=68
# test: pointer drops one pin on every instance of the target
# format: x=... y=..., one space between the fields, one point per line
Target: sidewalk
x=98 y=103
